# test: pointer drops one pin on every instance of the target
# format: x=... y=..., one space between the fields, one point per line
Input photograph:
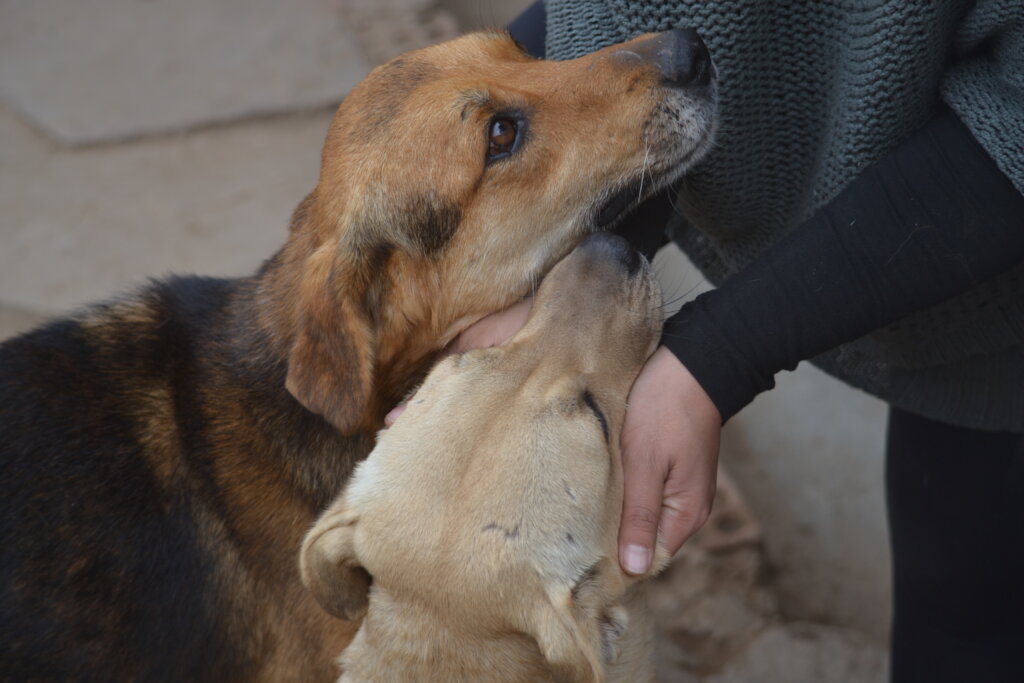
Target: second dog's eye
x=501 y=138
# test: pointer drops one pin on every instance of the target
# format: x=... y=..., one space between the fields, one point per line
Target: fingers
x=673 y=506
x=489 y=331
x=641 y=512
x=686 y=506
x=493 y=329
x=670 y=441
x=393 y=414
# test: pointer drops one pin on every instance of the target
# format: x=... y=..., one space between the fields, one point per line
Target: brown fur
x=165 y=453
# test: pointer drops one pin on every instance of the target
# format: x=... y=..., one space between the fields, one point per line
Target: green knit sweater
x=812 y=92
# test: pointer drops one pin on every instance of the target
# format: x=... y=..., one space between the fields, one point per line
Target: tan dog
x=164 y=454
x=487 y=515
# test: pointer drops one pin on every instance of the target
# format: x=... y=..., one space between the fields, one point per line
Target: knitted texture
x=987 y=90
x=812 y=92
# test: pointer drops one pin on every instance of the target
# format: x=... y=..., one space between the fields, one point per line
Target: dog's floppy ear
x=332 y=360
x=577 y=628
x=329 y=567
x=571 y=648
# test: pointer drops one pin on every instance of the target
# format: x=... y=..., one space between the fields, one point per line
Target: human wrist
x=727 y=376
x=685 y=388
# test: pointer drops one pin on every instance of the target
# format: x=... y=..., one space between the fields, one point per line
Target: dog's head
x=452 y=179
x=493 y=503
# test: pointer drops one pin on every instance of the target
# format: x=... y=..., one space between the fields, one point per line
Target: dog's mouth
x=620 y=203
x=616 y=206
x=677 y=148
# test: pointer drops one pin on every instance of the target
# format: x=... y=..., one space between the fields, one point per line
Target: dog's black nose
x=681 y=56
x=613 y=247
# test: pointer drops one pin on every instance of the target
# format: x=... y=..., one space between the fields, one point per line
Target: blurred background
x=142 y=137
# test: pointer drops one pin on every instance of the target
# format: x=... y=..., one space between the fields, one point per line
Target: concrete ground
x=141 y=138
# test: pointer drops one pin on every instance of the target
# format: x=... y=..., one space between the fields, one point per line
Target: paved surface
x=809 y=456
x=89 y=71
x=79 y=225
x=804 y=597
x=787 y=653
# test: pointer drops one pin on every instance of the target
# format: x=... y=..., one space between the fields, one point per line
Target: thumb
x=644 y=483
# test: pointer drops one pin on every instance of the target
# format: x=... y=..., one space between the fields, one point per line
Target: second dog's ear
x=572 y=649
x=577 y=627
x=330 y=568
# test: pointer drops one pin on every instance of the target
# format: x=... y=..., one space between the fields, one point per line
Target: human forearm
x=932 y=219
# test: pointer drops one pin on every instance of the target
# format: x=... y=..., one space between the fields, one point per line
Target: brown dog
x=164 y=454
x=488 y=514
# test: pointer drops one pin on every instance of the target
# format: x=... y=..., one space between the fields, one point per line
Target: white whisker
x=645 y=168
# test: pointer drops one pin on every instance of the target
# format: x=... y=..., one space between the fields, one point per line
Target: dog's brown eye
x=503 y=135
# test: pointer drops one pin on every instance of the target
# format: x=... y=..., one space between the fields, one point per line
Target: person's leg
x=956 y=519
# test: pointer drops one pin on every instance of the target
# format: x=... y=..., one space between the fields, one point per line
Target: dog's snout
x=614 y=248
x=680 y=55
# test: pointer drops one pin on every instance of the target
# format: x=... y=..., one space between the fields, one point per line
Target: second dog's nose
x=615 y=248
x=681 y=56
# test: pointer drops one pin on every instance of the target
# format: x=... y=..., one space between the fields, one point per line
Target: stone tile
x=387 y=28
x=15 y=321
x=478 y=14
x=88 y=71
x=80 y=225
x=799 y=653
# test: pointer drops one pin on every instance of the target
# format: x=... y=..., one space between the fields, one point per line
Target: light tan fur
x=487 y=515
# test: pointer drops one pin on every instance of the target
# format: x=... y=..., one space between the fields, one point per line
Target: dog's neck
x=274 y=308
x=253 y=338
x=404 y=641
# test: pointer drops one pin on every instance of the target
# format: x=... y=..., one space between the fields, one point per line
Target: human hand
x=670 y=441
x=489 y=331
x=492 y=330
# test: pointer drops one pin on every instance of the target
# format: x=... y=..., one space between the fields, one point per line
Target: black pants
x=956 y=520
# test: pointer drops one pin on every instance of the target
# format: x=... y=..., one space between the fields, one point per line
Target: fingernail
x=637 y=559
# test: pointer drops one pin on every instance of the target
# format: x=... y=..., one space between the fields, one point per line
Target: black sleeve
x=530 y=29
x=932 y=219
